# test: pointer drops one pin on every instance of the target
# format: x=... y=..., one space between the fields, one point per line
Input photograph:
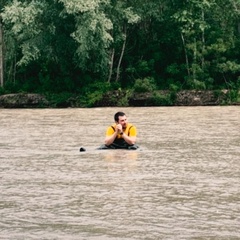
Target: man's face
x=123 y=121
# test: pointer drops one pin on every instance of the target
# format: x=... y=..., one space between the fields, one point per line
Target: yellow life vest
x=126 y=131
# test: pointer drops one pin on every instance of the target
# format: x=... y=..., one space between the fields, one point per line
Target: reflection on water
x=118 y=155
x=183 y=183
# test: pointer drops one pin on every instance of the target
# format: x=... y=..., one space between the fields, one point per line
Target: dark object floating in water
x=82 y=149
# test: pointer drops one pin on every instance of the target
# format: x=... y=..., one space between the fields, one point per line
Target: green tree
x=2 y=4
x=61 y=35
x=65 y=45
x=122 y=16
x=206 y=33
x=1 y=54
x=92 y=33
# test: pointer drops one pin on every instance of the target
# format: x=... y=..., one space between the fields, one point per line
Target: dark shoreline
x=121 y=99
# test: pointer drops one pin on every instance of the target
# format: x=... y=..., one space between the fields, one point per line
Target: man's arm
x=128 y=139
x=131 y=139
x=109 y=139
x=111 y=135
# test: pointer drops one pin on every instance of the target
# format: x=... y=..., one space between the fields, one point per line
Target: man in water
x=121 y=134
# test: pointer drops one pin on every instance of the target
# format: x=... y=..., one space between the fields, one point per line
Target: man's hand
x=119 y=128
x=109 y=139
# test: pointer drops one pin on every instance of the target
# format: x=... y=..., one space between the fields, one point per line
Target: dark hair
x=117 y=115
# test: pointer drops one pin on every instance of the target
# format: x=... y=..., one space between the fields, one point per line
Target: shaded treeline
x=87 y=46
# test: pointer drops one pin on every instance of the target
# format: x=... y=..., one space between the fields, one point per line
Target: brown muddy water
x=183 y=182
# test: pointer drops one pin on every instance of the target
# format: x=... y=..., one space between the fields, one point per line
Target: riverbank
x=124 y=99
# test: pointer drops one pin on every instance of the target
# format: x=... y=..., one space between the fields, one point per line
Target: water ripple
x=182 y=184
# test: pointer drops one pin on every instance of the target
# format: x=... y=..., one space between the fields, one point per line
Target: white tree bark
x=121 y=56
x=111 y=65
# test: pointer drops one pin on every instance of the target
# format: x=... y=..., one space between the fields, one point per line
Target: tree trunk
x=111 y=66
x=1 y=53
x=203 y=42
x=194 y=60
x=185 y=52
x=121 y=56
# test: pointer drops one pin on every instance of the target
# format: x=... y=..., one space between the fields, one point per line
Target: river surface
x=183 y=182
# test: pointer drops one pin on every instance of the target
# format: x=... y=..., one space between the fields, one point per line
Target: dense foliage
x=91 y=46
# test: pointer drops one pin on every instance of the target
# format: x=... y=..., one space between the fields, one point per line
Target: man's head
x=120 y=118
